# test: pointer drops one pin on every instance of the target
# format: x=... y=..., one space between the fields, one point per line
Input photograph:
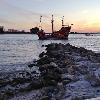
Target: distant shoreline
x=15 y=33
x=32 y=33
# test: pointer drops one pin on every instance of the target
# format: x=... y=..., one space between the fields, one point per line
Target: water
x=16 y=51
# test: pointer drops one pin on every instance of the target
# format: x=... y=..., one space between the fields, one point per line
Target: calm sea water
x=18 y=50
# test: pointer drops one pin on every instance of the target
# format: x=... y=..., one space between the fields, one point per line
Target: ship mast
x=52 y=21
x=40 y=22
x=62 y=21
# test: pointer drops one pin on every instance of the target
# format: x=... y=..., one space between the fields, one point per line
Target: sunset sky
x=25 y=14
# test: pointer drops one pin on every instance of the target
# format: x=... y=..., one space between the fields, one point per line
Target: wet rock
x=53 y=64
x=36 y=84
x=82 y=69
x=58 y=70
x=51 y=46
x=42 y=54
x=43 y=45
x=94 y=78
x=71 y=78
x=93 y=58
x=52 y=76
x=47 y=67
x=55 y=54
x=3 y=96
x=51 y=82
x=67 y=62
x=45 y=98
x=34 y=63
x=30 y=66
x=19 y=80
x=9 y=93
x=64 y=70
x=4 y=82
x=54 y=46
x=61 y=90
x=72 y=69
x=44 y=60
x=77 y=98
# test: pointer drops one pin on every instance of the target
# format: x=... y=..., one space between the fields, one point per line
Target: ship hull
x=62 y=34
x=50 y=37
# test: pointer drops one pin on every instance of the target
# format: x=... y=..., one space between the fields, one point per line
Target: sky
x=25 y=14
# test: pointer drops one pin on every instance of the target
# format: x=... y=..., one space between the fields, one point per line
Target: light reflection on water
x=17 y=50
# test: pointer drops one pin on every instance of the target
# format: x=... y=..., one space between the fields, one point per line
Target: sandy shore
x=63 y=72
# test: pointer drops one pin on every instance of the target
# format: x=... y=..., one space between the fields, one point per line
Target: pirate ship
x=61 y=34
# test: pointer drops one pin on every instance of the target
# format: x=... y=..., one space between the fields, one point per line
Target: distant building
x=34 y=30
x=1 y=29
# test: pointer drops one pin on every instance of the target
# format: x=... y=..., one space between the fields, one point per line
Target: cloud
x=13 y=9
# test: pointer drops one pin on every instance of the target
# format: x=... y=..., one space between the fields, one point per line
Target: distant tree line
x=12 y=31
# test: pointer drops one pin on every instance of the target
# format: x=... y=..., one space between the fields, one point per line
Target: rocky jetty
x=64 y=72
x=77 y=70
